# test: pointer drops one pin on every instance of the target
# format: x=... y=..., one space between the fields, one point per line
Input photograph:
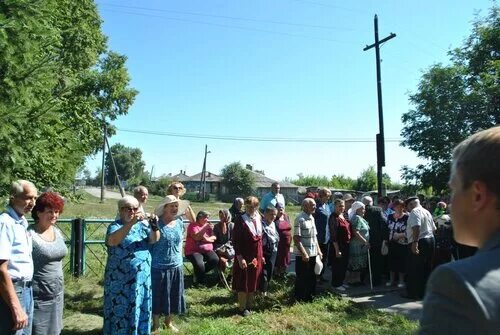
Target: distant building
x=213 y=182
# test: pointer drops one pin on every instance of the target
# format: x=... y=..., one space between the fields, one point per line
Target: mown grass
x=212 y=310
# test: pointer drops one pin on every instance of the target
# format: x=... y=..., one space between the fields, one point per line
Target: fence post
x=77 y=246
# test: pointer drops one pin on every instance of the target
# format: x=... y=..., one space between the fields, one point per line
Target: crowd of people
x=399 y=240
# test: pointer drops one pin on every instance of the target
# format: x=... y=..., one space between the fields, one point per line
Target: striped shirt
x=305 y=228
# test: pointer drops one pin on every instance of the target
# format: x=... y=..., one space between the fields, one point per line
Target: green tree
x=342 y=182
x=367 y=180
x=57 y=80
x=311 y=180
x=454 y=101
x=238 y=180
x=128 y=161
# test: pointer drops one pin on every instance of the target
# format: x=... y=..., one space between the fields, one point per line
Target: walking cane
x=370 y=268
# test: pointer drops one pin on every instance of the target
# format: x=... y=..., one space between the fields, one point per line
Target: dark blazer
x=463 y=297
x=378 y=227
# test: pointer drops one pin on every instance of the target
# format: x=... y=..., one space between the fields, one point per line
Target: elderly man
x=271 y=198
x=463 y=297
x=141 y=194
x=321 y=216
x=378 y=234
x=420 y=236
x=306 y=248
x=16 y=265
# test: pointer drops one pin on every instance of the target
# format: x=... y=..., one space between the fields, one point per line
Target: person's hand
x=210 y=225
x=242 y=263
x=263 y=260
x=305 y=258
x=20 y=318
x=320 y=255
x=338 y=254
x=414 y=248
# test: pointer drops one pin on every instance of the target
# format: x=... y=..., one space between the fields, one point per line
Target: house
x=180 y=177
x=213 y=183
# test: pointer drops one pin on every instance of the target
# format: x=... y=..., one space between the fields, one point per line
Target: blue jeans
x=25 y=296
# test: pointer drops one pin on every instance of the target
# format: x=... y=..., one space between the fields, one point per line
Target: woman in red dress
x=285 y=233
x=247 y=242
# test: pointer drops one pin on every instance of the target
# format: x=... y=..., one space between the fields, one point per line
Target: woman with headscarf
x=127 y=277
x=285 y=240
x=236 y=208
x=360 y=242
x=270 y=239
x=223 y=232
x=247 y=240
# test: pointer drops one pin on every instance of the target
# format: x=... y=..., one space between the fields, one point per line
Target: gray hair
x=139 y=189
x=307 y=201
x=128 y=200
x=17 y=187
x=367 y=200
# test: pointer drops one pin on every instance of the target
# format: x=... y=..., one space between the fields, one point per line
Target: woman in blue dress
x=167 y=264
x=127 y=278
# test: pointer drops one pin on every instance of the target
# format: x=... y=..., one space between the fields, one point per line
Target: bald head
x=308 y=205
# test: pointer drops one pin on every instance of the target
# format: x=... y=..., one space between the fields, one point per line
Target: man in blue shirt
x=321 y=216
x=16 y=265
x=270 y=199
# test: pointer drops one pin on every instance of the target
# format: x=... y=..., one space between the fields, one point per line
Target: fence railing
x=86 y=237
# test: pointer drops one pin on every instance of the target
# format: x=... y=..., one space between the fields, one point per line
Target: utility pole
x=103 y=157
x=380 y=136
x=203 y=181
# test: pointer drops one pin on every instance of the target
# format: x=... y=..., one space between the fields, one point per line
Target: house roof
x=263 y=181
x=209 y=177
x=180 y=177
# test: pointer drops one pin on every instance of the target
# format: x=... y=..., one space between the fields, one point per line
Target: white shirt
x=421 y=217
x=15 y=245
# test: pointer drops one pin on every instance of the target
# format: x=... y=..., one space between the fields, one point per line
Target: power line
x=316 y=3
x=228 y=26
x=257 y=139
x=228 y=17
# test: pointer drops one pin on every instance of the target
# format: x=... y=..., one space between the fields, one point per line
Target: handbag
x=385 y=249
x=318 y=266
x=226 y=250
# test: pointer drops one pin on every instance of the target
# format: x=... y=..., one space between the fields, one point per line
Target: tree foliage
x=57 y=79
x=454 y=101
x=238 y=180
x=129 y=164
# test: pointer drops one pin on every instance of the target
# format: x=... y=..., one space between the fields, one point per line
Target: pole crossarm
x=368 y=47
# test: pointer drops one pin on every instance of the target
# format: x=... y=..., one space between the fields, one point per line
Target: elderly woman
x=247 y=241
x=236 y=208
x=398 y=249
x=177 y=189
x=199 y=247
x=127 y=277
x=48 y=251
x=167 y=265
x=270 y=240
x=360 y=243
x=285 y=240
x=340 y=237
x=223 y=232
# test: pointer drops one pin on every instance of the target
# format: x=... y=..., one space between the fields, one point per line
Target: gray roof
x=180 y=177
x=209 y=177
x=262 y=181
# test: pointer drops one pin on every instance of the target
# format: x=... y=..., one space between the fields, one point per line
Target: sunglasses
x=177 y=188
x=131 y=209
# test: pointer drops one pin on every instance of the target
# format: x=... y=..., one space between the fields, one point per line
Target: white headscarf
x=354 y=208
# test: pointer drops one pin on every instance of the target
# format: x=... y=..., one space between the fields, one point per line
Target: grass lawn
x=212 y=310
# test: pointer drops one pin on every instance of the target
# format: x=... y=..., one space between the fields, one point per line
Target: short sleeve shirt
x=270 y=200
x=167 y=252
x=305 y=228
x=16 y=245
x=421 y=217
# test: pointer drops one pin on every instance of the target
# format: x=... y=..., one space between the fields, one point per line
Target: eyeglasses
x=131 y=209
x=177 y=187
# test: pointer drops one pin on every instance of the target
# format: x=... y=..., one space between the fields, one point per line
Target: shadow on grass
x=84 y=302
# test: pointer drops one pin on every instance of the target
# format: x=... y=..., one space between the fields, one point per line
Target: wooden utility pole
x=380 y=136
x=103 y=157
x=203 y=182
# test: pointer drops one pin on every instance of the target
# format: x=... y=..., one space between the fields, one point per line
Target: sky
x=280 y=71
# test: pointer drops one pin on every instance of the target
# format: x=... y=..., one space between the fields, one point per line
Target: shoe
x=340 y=288
x=390 y=283
x=401 y=285
x=245 y=312
x=173 y=328
x=345 y=285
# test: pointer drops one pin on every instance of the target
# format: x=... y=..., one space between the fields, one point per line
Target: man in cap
x=16 y=265
x=463 y=297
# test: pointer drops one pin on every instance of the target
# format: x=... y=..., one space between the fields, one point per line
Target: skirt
x=168 y=291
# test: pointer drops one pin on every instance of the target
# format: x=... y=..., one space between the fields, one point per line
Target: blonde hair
x=478 y=158
x=170 y=188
